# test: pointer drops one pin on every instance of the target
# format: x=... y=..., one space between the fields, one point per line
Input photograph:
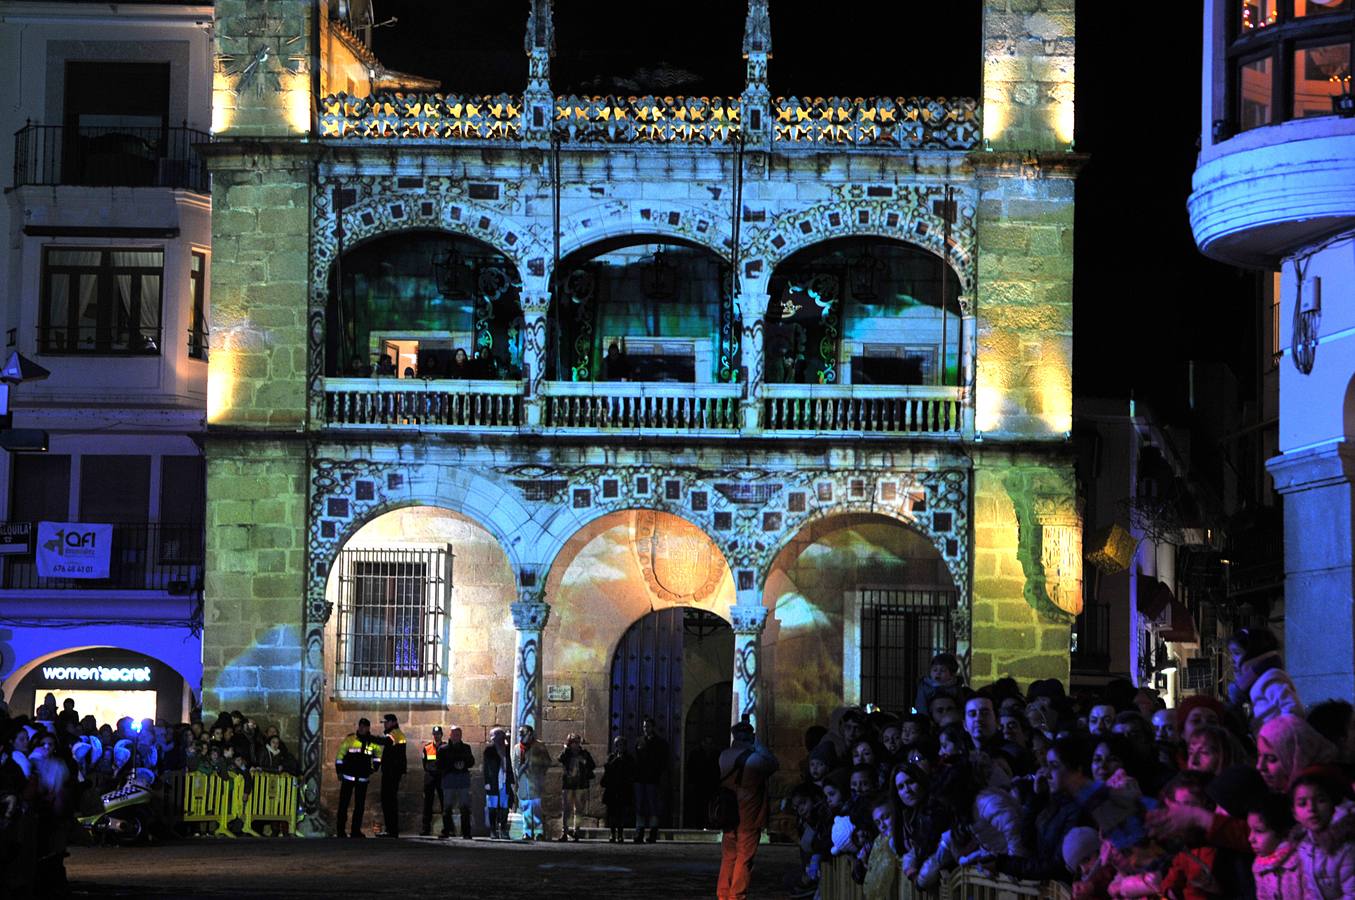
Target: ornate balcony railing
x=911 y=122
x=110 y=156
x=144 y=556
x=868 y=408
x=872 y=122
x=415 y=404
x=641 y=406
x=436 y=117
x=647 y=120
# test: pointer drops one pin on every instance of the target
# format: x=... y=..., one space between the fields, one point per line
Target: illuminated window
x=1288 y=60
x=1256 y=88
x=197 y=313
x=391 y=618
x=101 y=301
x=1320 y=73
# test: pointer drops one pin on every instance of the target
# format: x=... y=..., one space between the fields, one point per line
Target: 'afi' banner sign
x=73 y=549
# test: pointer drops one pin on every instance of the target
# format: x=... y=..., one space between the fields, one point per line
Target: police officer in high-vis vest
x=359 y=755
x=432 y=779
x=394 y=764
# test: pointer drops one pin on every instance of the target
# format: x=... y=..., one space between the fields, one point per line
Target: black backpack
x=722 y=812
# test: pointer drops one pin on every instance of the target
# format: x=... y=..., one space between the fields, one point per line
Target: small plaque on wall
x=559 y=693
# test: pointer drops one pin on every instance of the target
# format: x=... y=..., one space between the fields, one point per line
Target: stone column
x=529 y=618
x=756 y=98
x=534 y=308
x=752 y=313
x=538 y=101
x=747 y=617
x=1319 y=632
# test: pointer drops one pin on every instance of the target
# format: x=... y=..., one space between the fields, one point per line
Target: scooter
x=127 y=814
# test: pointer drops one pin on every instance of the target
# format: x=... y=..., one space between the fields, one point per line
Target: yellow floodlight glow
x=220 y=384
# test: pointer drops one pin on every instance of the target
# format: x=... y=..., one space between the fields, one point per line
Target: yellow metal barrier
x=836 y=883
x=272 y=800
x=205 y=800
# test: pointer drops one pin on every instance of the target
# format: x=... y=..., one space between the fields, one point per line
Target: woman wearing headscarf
x=1285 y=746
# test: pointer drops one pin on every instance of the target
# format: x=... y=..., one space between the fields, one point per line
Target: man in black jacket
x=651 y=769
x=455 y=760
x=394 y=764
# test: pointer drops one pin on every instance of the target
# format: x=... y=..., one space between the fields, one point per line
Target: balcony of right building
x=1277 y=153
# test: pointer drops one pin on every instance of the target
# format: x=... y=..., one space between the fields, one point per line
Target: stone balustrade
x=642 y=406
x=802 y=409
x=790 y=410
x=411 y=403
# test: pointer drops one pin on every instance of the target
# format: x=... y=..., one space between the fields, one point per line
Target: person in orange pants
x=744 y=769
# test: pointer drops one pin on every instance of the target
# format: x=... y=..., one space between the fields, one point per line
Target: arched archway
x=643 y=306
x=859 y=603
x=416 y=297
x=863 y=310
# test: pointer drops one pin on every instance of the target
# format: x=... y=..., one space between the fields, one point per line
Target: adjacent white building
x=1275 y=189
x=107 y=225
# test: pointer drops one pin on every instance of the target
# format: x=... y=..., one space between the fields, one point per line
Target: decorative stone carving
x=530 y=614
x=1061 y=552
x=747 y=619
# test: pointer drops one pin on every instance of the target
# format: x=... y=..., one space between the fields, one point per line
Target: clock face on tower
x=257 y=59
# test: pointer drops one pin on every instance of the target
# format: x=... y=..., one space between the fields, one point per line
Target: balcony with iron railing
x=110 y=157
x=715 y=410
x=144 y=556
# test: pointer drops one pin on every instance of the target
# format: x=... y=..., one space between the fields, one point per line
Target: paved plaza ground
x=413 y=867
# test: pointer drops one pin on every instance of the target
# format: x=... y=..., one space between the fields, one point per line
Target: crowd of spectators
x=56 y=765
x=1112 y=794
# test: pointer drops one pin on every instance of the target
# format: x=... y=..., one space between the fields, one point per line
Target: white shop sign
x=73 y=549
x=113 y=674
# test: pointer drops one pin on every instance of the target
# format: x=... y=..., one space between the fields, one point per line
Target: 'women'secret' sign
x=73 y=549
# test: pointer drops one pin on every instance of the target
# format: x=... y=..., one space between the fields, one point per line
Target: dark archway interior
x=417 y=297
x=665 y=305
x=863 y=311
x=666 y=666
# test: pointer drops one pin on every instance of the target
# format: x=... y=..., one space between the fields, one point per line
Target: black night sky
x=1145 y=300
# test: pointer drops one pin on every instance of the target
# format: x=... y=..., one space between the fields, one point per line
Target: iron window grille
x=392 y=622
x=901 y=630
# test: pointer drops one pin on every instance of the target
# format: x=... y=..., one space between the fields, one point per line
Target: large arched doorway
x=667 y=666
x=860 y=604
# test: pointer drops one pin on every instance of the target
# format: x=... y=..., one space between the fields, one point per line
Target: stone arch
x=376 y=213
x=348 y=494
x=914 y=224
x=899 y=516
x=662 y=220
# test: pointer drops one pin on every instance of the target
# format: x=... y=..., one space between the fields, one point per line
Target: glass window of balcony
x=41 y=487
x=1305 y=8
x=1320 y=73
x=101 y=301
x=1256 y=93
x=197 y=312
x=1256 y=14
x=1289 y=59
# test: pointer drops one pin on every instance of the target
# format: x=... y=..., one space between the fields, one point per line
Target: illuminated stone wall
x=256 y=537
x=1028 y=67
x=1018 y=627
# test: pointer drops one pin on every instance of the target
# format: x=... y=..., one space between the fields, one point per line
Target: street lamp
x=18 y=369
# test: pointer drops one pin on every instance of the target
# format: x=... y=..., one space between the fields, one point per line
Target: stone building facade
x=551 y=517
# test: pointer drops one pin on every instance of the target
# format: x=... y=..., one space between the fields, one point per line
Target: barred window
x=392 y=621
x=901 y=630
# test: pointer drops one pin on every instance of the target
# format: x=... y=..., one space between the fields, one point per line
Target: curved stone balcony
x=1266 y=192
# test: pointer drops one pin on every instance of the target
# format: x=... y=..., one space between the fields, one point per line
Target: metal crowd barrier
x=836 y=883
x=209 y=804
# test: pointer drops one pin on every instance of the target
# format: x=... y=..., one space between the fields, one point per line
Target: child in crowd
x=1326 y=849
x=882 y=863
x=1276 y=868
